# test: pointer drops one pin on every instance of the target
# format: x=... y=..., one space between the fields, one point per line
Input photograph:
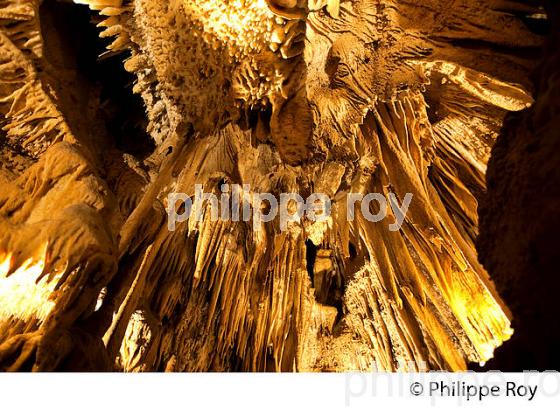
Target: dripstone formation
x=286 y=96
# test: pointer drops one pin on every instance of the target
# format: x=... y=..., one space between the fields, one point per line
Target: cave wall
x=520 y=219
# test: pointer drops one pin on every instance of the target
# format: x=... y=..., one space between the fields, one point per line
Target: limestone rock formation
x=286 y=96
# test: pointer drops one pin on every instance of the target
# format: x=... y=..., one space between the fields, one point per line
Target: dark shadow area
x=520 y=220
x=72 y=41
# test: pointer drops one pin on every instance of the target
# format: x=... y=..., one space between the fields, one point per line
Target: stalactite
x=332 y=97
